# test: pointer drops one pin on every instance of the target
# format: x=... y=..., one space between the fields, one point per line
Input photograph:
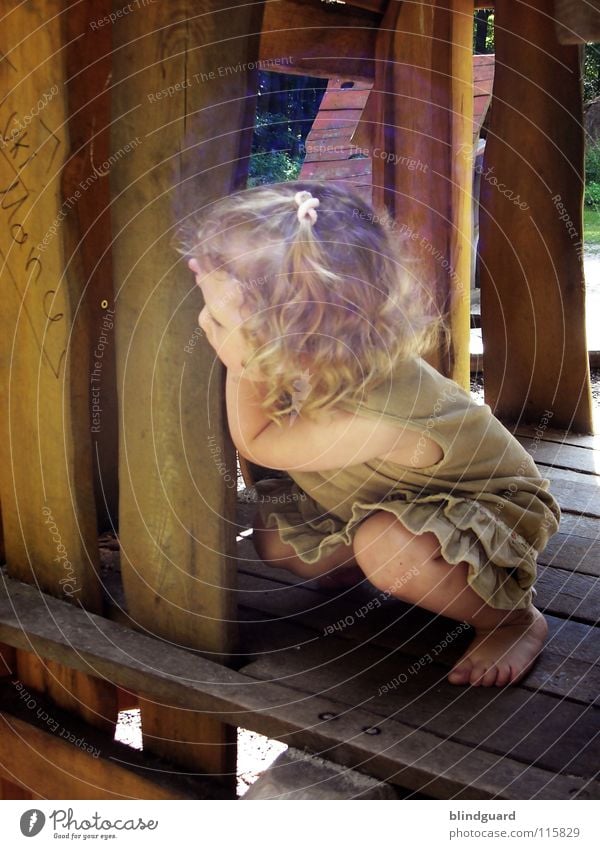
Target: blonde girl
x=393 y=472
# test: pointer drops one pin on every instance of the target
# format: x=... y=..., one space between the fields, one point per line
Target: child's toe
x=490 y=677
x=460 y=674
x=505 y=675
x=478 y=674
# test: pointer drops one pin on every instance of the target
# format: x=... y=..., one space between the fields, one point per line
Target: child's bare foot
x=503 y=654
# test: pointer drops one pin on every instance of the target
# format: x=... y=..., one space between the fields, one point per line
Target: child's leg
x=338 y=569
x=410 y=567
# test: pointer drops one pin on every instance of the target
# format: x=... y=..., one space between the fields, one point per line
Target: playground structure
x=111 y=405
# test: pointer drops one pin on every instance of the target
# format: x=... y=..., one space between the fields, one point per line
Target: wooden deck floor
x=361 y=680
x=362 y=653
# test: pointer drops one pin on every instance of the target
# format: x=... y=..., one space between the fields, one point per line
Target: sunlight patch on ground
x=255 y=752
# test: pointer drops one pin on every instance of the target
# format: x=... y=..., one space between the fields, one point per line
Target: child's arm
x=343 y=439
x=245 y=418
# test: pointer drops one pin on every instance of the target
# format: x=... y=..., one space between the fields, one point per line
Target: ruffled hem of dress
x=502 y=564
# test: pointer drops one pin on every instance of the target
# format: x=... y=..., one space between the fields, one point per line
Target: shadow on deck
x=357 y=653
x=361 y=680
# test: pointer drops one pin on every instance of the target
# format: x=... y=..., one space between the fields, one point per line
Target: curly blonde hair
x=332 y=300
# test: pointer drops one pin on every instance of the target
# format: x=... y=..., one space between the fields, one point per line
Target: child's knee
x=385 y=549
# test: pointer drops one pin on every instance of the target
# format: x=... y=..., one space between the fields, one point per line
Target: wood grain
x=422 y=106
x=398 y=753
x=46 y=477
x=532 y=286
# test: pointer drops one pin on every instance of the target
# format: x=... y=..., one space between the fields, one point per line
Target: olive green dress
x=485 y=501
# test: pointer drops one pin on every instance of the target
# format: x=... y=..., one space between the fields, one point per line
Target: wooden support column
x=185 y=82
x=421 y=112
x=577 y=22
x=531 y=229
x=46 y=481
x=323 y=40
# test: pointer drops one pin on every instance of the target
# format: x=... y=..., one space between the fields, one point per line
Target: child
x=394 y=472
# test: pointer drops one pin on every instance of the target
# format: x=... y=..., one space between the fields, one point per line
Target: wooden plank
x=483 y=74
x=532 y=284
x=349 y=169
x=554 y=733
x=422 y=106
x=565 y=593
x=555 y=454
x=169 y=544
x=48 y=751
x=560 y=670
x=398 y=754
x=567 y=666
x=578 y=526
x=566 y=437
x=577 y=554
x=190 y=739
x=328 y=119
x=341 y=99
x=46 y=479
x=330 y=136
x=176 y=545
x=9 y=790
x=42 y=458
x=88 y=58
x=322 y=40
x=574 y=491
x=334 y=152
x=576 y=22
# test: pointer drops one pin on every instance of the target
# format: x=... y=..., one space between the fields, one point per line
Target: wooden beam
x=185 y=82
x=52 y=754
x=175 y=539
x=88 y=58
x=421 y=107
x=379 y=6
x=577 y=22
x=46 y=479
x=371 y=5
x=321 y=40
x=531 y=228
x=399 y=753
x=48 y=509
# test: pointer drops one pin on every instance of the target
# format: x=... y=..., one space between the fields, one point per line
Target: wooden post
x=46 y=481
x=577 y=22
x=531 y=229
x=184 y=86
x=422 y=154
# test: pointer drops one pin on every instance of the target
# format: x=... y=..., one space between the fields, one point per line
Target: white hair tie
x=307 y=205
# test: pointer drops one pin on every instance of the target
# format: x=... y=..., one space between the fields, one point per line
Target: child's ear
x=193 y=266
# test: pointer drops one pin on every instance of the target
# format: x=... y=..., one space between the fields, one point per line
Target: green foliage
x=592 y=163
x=591 y=226
x=591 y=72
x=273 y=167
x=592 y=175
x=483 y=45
x=592 y=195
x=271 y=161
x=272 y=133
x=490 y=45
